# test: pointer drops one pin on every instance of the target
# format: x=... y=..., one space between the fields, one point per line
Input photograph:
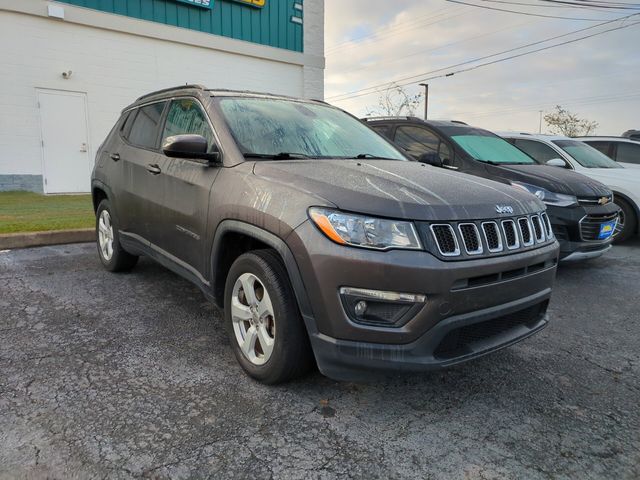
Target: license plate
x=606 y=230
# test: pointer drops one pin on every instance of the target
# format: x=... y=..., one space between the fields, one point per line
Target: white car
x=576 y=155
x=623 y=150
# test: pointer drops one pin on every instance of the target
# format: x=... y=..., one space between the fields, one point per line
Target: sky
x=370 y=43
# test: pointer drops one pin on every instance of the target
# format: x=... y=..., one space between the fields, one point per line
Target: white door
x=65 y=145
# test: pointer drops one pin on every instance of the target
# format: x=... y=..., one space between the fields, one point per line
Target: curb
x=39 y=239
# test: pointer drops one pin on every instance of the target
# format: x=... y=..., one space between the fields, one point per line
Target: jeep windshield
x=585 y=155
x=276 y=129
x=492 y=149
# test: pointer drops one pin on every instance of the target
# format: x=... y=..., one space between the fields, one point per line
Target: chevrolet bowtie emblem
x=603 y=200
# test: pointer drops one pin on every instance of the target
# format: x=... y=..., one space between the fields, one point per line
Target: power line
x=372 y=89
x=595 y=5
x=553 y=4
x=524 y=13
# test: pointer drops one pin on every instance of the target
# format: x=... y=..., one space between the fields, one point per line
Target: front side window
x=416 y=140
x=537 y=150
x=585 y=155
x=264 y=127
x=144 y=130
x=628 y=153
x=491 y=149
x=187 y=117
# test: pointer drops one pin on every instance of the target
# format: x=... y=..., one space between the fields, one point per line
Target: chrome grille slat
x=446 y=239
x=511 y=234
x=526 y=235
x=547 y=226
x=492 y=236
x=590 y=225
x=470 y=238
x=538 y=228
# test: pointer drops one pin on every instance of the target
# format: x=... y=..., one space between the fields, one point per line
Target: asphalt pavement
x=131 y=376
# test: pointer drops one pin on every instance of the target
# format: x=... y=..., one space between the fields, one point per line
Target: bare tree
x=563 y=122
x=395 y=101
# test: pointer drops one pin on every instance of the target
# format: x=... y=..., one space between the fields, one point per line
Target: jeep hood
x=554 y=179
x=408 y=190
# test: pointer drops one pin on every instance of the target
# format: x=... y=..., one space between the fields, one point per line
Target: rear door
x=139 y=190
x=418 y=140
x=628 y=154
x=181 y=225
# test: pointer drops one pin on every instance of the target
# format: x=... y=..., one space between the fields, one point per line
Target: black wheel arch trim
x=279 y=245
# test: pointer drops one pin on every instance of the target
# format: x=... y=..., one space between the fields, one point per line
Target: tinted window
x=144 y=131
x=416 y=140
x=382 y=130
x=585 y=155
x=490 y=148
x=539 y=151
x=602 y=147
x=126 y=123
x=186 y=116
x=628 y=153
x=264 y=126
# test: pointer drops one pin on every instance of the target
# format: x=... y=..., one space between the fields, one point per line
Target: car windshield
x=285 y=129
x=492 y=149
x=585 y=155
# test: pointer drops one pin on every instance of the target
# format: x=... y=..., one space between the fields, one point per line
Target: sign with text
x=199 y=3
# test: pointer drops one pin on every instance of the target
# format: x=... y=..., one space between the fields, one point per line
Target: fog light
x=361 y=307
x=379 y=308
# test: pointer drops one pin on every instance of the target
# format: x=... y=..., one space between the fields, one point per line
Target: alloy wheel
x=105 y=235
x=253 y=318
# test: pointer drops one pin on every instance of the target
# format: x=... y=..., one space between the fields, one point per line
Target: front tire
x=261 y=314
x=112 y=255
x=627 y=222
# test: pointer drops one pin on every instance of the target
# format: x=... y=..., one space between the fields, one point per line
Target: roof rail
x=180 y=87
x=391 y=117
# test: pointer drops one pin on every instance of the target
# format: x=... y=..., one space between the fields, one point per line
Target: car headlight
x=550 y=198
x=364 y=231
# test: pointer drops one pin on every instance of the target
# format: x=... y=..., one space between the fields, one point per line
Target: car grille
x=590 y=225
x=485 y=335
x=594 y=201
x=472 y=239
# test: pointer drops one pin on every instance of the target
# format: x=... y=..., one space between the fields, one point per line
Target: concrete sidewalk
x=10 y=241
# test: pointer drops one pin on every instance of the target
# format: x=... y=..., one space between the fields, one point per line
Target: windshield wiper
x=277 y=156
x=362 y=156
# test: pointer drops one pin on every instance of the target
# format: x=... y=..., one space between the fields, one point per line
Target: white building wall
x=113 y=68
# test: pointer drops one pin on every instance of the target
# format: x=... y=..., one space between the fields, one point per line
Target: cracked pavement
x=131 y=376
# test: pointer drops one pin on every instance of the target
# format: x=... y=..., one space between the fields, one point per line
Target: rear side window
x=537 y=150
x=628 y=153
x=603 y=147
x=417 y=141
x=187 y=117
x=382 y=130
x=144 y=130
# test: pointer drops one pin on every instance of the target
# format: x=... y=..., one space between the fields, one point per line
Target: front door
x=65 y=145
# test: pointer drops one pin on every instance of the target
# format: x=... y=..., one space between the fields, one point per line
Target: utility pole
x=540 y=126
x=426 y=98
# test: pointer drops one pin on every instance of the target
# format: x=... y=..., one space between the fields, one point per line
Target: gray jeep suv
x=318 y=238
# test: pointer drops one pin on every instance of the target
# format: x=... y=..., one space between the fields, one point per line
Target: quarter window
x=144 y=130
x=186 y=117
x=603 y=147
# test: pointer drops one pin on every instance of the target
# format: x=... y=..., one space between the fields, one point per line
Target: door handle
x=154 y=169
x=83 y=147
x=115 y=157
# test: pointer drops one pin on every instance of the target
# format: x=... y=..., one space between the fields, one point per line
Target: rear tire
x=628 y=219
x=112 y=255
x=261 y=314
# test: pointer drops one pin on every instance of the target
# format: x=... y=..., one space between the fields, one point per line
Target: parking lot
x=131 y=375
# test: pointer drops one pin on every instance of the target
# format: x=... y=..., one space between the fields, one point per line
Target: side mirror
x=557 y=162
x=190 y=146
x=431 y=158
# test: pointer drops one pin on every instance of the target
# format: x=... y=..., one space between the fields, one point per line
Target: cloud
x=377 y=41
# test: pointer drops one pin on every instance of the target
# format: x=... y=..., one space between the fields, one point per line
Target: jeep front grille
x=460 y=240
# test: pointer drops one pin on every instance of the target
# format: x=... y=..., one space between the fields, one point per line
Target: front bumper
x=565 y=222
x=457 y=293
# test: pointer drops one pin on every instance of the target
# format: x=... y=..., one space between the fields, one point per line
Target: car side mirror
x=557 y=162
x=193 y=147
x=431 y=158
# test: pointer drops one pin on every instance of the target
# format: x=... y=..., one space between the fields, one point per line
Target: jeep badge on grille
x=504 y=209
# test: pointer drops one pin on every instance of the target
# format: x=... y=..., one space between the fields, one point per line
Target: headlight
x=550 y=198
x=364 y=231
